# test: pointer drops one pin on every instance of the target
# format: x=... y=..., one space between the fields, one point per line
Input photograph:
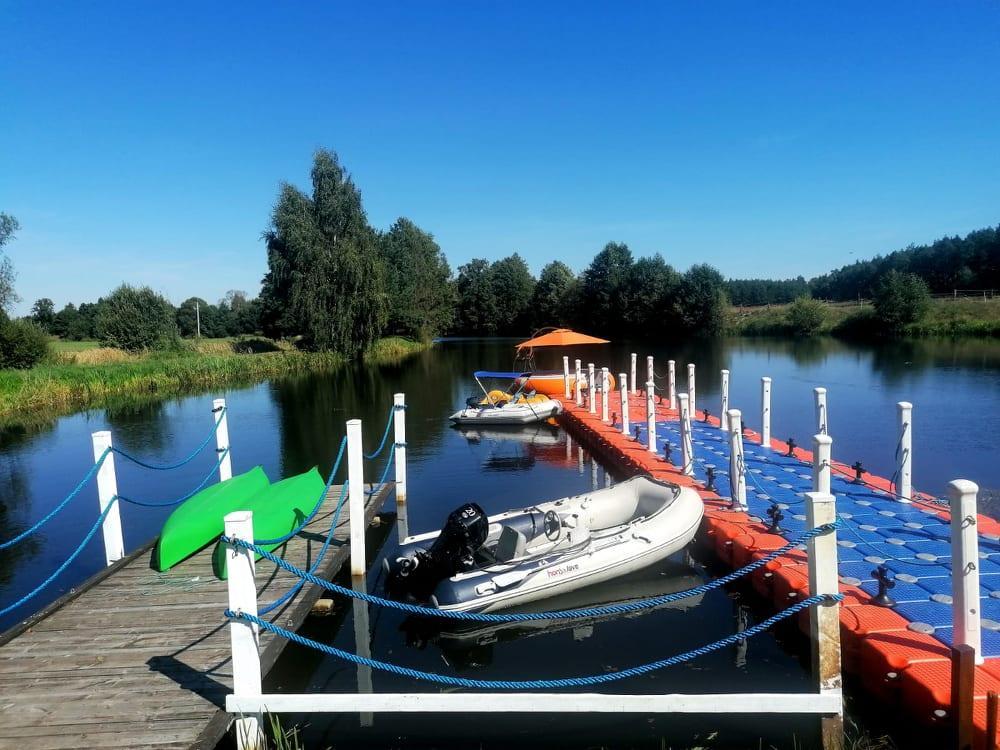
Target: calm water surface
x=290 y=425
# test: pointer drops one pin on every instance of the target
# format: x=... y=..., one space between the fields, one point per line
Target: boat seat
x=510 y=545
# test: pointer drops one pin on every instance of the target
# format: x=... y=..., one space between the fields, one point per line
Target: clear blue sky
x=145 y=142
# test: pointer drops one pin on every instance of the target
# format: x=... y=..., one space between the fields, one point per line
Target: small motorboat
x=482 y=564
x=514 y=406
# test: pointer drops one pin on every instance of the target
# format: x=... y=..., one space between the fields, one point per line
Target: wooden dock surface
x=135 y=658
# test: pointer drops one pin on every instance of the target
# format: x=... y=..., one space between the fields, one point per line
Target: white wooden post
x=624 y=391
x=965 y=566
x=724 y=410
x=765 y=412
x=107 y=491
x=356 y=495
x=824 y=620
x=904 y=461
x=821 y=423
x=672 y=383
x=566 y=377
x=592 y=385
x=362 y=646
x=737 y=468
x=399 y=436
x=578 y=385
x=649 y=370
x=633 y=381
x=650 y=417
x=222 y=439
x=605 y=388
x=691 y=393
x=822 y=452
x=243 y=636
x=687 y=445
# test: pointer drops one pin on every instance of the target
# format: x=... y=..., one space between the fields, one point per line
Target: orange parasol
x=562 y=337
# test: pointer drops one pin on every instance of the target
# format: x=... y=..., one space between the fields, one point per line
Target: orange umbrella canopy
x=562 y=337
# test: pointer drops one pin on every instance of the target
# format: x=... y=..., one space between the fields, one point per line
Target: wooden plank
x=153 y=647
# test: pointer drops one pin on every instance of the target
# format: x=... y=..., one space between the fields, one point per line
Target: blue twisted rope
x=597 y=679
x=292 y=592
x=385 y=473
x=188 y=496
x=571 y=614
x=65 y=501
x=182 y=462
x=385 y=435
x=86 y=540
x=319 y=501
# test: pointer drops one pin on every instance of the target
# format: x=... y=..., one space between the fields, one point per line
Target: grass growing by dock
x=82 y=375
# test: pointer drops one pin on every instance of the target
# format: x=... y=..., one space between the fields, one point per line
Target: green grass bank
x=82 y=375
x=944 y=318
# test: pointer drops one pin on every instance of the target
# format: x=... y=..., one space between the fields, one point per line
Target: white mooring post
x=633 y=381
x=649 y=370
x=904 y=461
x=222 y=439
x=107 y=491
x=356 y=495
x=362 y=646
x=624 y=391
x=650 y=417
x=824 y=619
x=691 y=393
x=821 y=421
x=243 y=636
x=566 y=377
x=605 y=388
x=765 y=412
x=687 y=445
x=578 y=385
x=724 y=409
x=672 y=383
x=822 y=452
x=399 y=435
x=737 y=468
x=592 y=385
x=965 y=566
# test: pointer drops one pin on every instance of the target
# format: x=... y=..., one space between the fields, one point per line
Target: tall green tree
x=421 y=298
x=8 y=228
x=64 y=321
x=604 y=284
x=900 y=299
x=700 y=304
x=647 y=297
x=135 y=319
x=513 y=286
x=43 y=314
x=478 y=308
x=325 y=278
x=554 y=296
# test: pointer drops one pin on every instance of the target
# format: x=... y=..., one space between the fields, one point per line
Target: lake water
x=290 y=425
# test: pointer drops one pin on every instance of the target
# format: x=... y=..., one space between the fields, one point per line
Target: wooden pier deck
x=135 y=658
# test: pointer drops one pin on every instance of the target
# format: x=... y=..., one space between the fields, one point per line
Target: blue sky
x=145 y=142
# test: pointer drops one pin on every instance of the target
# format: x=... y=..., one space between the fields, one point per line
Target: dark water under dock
x=290 y=425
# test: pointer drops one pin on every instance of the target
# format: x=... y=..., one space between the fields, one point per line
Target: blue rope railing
x=178 y=501
x=66 y=563
x=65 y=501
x=588 y=612
x=563 y=682
x=188 y=459
x=385 y=434
x=389 y=460
x=292 y=592
x=319 y=501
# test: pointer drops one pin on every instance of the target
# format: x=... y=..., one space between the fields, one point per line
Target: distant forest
x=334 y=282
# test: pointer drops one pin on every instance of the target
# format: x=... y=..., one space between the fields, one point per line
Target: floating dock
x=902 y=654
x=137 y=658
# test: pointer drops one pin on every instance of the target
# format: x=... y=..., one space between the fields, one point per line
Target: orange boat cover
x=562 y=337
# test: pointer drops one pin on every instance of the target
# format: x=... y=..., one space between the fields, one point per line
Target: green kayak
x=197 y=522
x=277 y=510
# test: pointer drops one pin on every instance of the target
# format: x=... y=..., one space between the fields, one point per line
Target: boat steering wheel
x=552 y=525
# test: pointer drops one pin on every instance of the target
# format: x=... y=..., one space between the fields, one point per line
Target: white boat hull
x=521 y=413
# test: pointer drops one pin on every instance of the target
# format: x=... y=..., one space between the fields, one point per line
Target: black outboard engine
x=415 y=577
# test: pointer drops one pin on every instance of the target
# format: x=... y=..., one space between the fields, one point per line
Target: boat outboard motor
x=453 y=551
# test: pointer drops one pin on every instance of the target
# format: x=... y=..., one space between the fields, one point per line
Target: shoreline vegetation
x=81 y=375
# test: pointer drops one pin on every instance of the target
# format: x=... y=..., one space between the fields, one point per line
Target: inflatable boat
x=515 y=406
x=483 y=564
